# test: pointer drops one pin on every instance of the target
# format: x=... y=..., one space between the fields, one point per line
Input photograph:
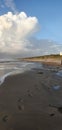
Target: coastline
x=28 y=101
x=16 y=70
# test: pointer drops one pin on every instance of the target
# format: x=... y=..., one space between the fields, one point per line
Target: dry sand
x=28 y=101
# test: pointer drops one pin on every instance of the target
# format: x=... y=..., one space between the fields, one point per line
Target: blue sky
x=19 y=30
x=48 y=12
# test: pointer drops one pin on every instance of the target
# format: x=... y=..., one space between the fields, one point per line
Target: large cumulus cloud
x=17 y=37
x=15 y=30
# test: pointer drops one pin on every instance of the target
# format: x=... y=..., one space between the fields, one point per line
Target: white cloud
x=15 y=30
x=10 y=4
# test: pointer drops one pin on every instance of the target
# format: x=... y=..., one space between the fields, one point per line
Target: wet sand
x=28 y=101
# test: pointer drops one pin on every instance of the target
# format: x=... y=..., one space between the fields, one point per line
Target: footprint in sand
x=28 y=90
x=40 y=73
x=30 y=94
x=21 y=107
x=37 y=87
x=20 y=100
x=20 y=104
x=52 y=114
x=5 y=118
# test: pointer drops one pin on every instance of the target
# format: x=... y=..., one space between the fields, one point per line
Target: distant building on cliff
x=60 y=53
x=61 y=56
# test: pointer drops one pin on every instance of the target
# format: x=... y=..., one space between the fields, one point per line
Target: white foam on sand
x=57 y=87
x=59 y=73
x=2 y=79
x=17 y=69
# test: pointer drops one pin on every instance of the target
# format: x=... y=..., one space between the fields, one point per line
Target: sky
x=30 y=27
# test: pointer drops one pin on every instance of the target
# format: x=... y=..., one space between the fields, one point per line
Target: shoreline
x=20 y=70
x=44 y=66
x=29 y=101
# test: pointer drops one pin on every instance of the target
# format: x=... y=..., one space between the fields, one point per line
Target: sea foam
x=7 y=69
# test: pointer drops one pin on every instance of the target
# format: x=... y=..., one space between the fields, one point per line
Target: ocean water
x=12 y=68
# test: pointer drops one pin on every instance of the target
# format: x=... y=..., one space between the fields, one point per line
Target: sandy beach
x=29 y=101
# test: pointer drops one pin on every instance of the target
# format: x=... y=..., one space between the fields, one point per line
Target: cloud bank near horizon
x=15 y=31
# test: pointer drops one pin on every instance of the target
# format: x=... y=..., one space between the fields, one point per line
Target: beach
x=32 y=100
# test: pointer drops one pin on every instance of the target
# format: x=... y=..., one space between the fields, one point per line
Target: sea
x=8 y=68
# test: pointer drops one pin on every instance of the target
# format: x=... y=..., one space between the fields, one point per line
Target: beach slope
x=29 y=101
